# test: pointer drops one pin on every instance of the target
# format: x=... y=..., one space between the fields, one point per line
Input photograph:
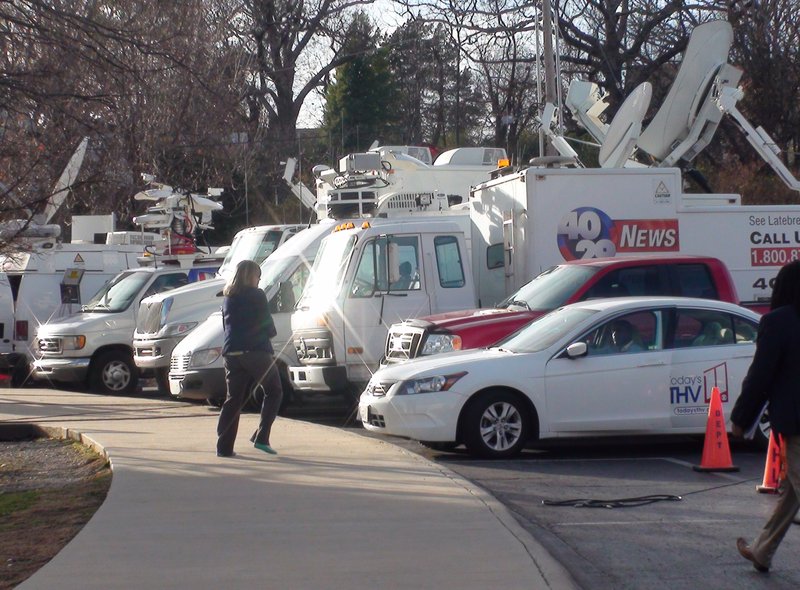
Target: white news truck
x=94 y=345
x=530 y=220
x=166 y=318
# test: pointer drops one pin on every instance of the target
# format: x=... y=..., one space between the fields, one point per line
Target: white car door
x=621 y=385
x=710 y=349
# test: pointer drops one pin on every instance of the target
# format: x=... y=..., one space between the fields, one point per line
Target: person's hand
x=737 y=431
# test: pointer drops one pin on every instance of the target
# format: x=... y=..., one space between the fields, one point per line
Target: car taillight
x=21 y=329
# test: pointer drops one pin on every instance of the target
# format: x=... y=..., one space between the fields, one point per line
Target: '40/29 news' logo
x=587 y=232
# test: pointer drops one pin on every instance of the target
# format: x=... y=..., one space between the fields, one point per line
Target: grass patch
x=15 y=501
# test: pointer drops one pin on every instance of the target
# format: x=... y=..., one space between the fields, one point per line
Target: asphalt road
x=684 y=543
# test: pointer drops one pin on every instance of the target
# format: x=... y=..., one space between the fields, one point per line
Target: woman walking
x=248 y=358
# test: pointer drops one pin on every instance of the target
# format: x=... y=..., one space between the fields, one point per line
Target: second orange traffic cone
x=773 y=468
x=716 y=451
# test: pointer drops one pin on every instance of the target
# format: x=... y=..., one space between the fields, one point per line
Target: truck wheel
x=162 y=380
x=497 y=424
x=113 y=372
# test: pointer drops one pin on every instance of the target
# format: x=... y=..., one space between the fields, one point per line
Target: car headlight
x=206 y=356
x=73 y=342
x=177 y=328
x=436 y=343
x=429 y=384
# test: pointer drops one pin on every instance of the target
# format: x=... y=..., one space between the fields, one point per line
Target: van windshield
x=254 y=246
x=117 y=294
x=550 y=289
x=329 y=266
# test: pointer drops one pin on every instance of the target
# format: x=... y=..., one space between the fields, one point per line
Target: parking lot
x=685 y=543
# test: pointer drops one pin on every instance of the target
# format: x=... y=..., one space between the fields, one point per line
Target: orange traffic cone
x=773 y=468
x=716 y=451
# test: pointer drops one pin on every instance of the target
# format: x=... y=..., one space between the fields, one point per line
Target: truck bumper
x=319 y=379
x=71 y=370
x=153 y=354
x=199 y=384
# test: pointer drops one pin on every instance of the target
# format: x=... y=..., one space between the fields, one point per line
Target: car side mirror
x=576 y=350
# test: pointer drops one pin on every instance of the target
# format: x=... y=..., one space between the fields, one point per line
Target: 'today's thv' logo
x=587 y=232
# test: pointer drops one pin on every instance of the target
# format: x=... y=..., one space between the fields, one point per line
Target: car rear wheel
x=763 y=430
x=497 y=424
x=113 y=372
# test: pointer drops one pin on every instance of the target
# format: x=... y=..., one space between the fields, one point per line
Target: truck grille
x=50 y=345
x=314 y=347
x=402 y=343
x=149 y=318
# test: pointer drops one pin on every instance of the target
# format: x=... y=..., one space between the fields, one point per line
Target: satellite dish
x=707 y=50
x=154 y=194
x=622 y=133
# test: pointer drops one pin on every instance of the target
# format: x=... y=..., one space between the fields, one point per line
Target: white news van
x=94 y=345
x=196 y=370
x=166 y=318
x=530 y=220
x=37 y=282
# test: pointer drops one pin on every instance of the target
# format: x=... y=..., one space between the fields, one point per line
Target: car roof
x=624 y=303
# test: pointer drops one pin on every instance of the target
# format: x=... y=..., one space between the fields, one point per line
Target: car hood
x=440 y=364
x=475 y=318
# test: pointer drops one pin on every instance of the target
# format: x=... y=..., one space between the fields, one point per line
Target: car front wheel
x=497 y=424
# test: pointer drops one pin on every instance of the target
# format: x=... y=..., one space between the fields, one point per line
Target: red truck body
x=578 y=280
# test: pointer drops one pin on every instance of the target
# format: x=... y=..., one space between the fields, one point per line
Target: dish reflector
x=620 y=140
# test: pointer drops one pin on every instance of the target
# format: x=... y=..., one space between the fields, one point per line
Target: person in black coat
x=773 y=379
x=248 y=357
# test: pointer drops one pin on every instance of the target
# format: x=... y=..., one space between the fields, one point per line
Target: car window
x=744 y=330
x=640 y=331
x=702 y=327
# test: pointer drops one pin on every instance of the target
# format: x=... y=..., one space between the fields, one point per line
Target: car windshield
x=117 y=294
x=545 y=331
x=550 y=289
x=330 y=265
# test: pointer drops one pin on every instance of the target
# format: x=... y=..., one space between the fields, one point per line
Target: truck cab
x=94 y=345
x=166 y=318
x=569 y=282
x=367 y=275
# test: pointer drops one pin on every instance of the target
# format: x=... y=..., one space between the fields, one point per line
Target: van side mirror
x=576 y=350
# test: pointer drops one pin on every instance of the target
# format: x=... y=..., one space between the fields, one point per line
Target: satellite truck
x=398 y=184
x=522 y=222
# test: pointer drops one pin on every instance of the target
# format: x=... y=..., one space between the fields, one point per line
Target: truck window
x=637 y=280
x=448 y=262
x=694 y=280
x=373 y=269
x=495 y=256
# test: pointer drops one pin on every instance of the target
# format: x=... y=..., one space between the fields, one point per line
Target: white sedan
x=626 y=366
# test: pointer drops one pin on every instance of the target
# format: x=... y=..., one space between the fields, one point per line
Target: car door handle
x=654 y=364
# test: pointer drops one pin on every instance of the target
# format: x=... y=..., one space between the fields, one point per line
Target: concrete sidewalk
x=333 y=510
